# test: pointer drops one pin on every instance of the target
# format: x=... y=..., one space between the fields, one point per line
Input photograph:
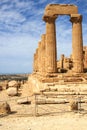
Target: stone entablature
x=60 y=9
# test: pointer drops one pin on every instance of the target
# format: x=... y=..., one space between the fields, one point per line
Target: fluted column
x=62 y=61
x=43 y=37
x=51 y=54
x=35 y=61
x=39 y=56
x=77 y=43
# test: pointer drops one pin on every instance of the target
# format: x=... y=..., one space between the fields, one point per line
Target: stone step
x=51 y=101
x=58 y=100
x=64 y=93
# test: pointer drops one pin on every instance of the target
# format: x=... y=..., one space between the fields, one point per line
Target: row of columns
x=39 y=56
x=45 y=58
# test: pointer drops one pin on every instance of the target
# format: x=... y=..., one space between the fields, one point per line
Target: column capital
x=49 y=18
x=75 y=18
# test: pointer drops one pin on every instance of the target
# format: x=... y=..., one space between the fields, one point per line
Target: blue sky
x=21 y=27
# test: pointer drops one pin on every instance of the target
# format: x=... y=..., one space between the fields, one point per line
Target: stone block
x=23 y=101
x=73 y=105
x=12 y=91
x=57 y=9
x=4 y=108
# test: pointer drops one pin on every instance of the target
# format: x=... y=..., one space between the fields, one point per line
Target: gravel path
x=67 y=121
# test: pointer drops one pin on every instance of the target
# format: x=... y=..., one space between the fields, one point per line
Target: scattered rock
x=26 y=90
x=13 y=83
x=3 y=84
x=5 y=108
x=74 y=105
x=12 y=91
x=23 y=101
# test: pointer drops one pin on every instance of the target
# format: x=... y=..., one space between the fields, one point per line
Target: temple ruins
x=46 y=68
x=45 y=58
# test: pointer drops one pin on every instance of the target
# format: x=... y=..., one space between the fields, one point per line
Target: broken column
x=77 y=43
x=62 y=61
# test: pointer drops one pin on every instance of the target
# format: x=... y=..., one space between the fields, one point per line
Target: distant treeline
x=18 y=77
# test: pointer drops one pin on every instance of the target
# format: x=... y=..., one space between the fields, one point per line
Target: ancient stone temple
x=46 y=68
x=45 y=59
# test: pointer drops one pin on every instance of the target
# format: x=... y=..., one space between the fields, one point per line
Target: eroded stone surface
x=48 y=64
x=4 y=108
x=60 y=9
x=12 y=91
x=46 y=67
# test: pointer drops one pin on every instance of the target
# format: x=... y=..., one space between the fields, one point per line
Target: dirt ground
x=23 y=117
x=60 y=122
x=51 y=117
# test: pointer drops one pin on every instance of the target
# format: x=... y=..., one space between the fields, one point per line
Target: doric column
x=39 y=56
x=77 y=43
x=36 y=61
x=43 y=37
x=62 y=61
x=51 y=54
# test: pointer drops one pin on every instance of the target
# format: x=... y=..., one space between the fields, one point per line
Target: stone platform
x=59 y=83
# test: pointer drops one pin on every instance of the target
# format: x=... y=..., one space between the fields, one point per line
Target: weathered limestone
x=37 y=68
x=74 y=105
x=51 y=54
x=67 y=63
x=13 y=83
x=12 y=91
x=64 y=64
x=47 y=80
x=4 y=108
x=85 y=57
x=35 y=64
x=60 y=9
x=39 y=56
x=43 y=38
x=77 y=43
x=23 y=101
x=62 y=61
x=45 y=60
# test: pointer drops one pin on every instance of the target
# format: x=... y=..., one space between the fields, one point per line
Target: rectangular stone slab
x=60 y=9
